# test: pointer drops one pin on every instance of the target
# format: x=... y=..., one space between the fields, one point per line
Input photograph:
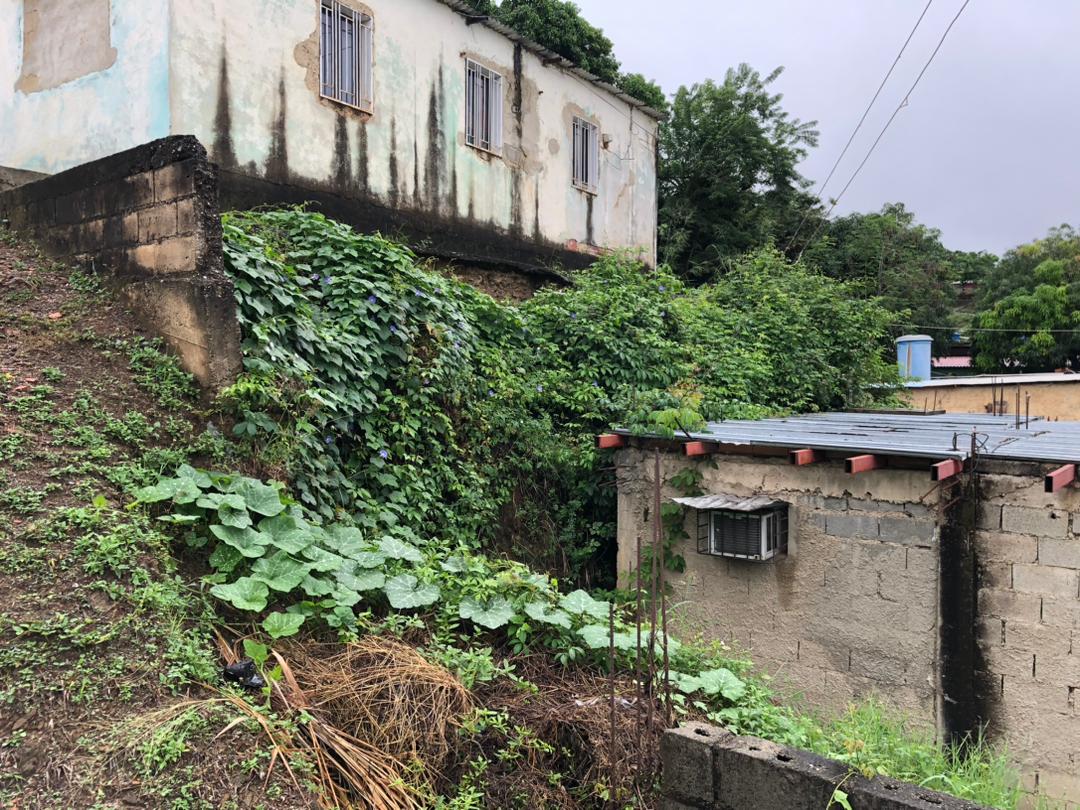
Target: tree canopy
x=1028 y=313
x=729 y=180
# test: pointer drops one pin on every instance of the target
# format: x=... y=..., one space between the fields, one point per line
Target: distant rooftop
x=931 y=436
x=996 y=379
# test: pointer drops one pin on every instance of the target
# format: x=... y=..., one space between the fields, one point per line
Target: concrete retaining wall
x=148 y=219
x=708 y=768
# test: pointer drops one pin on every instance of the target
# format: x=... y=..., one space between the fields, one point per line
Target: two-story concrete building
x=412 y=117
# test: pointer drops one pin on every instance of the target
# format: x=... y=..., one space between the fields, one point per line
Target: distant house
x=414 y=117
x=1050 y=395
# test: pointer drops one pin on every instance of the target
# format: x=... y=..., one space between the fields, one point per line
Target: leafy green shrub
x=384 y=391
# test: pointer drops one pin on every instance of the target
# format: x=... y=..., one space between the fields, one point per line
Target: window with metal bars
x=483 y=107
x=346 y=67
x=586 y=155
x=758 y=535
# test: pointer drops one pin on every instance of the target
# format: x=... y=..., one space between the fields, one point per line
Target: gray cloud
x=986 y=149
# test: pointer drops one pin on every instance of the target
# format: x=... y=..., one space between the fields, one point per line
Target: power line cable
x=888 y=124
x=821 y=190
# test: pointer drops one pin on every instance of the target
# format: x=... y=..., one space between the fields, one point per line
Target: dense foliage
x=729 y=180
x=408 y=402
x=1027 y=316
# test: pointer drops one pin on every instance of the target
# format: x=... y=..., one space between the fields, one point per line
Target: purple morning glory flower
x=371 y=299
x=383 y=454
x=491 y=392
x=539 y=388
x=573 y=315
x=457 y=344
x=662 y=288
x=314 y=276
x=393 y=329
x=418 y=294
x=329 y=439
x=327 y=280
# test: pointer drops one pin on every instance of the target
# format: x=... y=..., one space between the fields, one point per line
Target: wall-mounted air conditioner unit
x=741 y=528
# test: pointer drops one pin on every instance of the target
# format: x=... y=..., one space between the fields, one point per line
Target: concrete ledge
x=708 y=768
x=148 y=220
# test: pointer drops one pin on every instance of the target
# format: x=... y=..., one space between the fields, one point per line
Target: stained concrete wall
x=244 y=79
x=708 y=768
x=1029 y=602
x=1056 y=400
x=849 y=612
x=147 y=219
x=81 y=79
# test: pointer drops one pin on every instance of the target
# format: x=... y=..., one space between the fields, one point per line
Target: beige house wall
x=853 y=609
x=1057 y=400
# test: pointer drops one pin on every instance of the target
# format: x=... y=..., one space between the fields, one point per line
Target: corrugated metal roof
x=730 y=502
x=935 y=437
x=997 y=379
x=549 y=57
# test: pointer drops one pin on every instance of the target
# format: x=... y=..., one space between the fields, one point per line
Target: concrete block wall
x=147 y=219
x=1028 y=545
x=851 y=611
x=708 y=768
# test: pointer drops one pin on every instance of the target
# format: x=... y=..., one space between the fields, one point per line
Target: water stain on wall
x=394 y=178
x=224 y=153
x=277 y=163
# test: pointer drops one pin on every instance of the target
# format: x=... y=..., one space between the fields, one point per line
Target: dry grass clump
x=382 y=690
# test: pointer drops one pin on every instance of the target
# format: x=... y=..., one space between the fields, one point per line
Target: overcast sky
x=988 y=150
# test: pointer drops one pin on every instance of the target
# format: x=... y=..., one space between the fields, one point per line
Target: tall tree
x=728 y=176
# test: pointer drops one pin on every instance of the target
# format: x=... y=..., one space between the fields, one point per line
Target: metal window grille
x=346 y=65
x=586 y=155
x=483 y=107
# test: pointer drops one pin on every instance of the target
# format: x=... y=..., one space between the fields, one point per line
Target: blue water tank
x=913 y=356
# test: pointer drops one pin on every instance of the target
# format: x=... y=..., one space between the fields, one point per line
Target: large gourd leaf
x=280 y=571
x=406 y=591
x=244 y=594
x=543 y=612
x=493 y=614
x=259 y=497
x=280 y=625
x=249 y=542
x=394 y=549
x=580 y=603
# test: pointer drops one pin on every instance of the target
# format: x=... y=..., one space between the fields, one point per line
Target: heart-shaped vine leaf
x=280 y=571
x=361 y=580
x=493 y=614
x=542 y=612
x=598 y=637
x=225 y=558
x=259 y=497
x=580 y=603
x=281 y=625
x=405 y=591
x=394 y=549
x=247 y=541
x=244 y=594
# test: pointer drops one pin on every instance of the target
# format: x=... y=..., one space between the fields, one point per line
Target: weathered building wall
x=1028 y=544
x=708 y=768
x=1057 y=400
x=92 y=79
x=852 y=610
x=147 y=219
x=244 y=79
x=868 y=599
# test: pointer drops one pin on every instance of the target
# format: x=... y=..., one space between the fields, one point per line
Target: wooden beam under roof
x=607 y=441
x=805 y=456
x=946 y=469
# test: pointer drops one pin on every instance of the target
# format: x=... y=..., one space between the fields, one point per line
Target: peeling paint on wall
x=63 y=40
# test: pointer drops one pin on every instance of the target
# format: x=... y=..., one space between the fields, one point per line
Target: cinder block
x=175 y=255
x=1037 y=638
x=851 y=525
x=989 y=516
x=687 y=756
x=868 y=505
x=157 y=223
x=1004 y=547
x=1058 y=785
x=919 y=510
x=996 y=575
x=906 y=531
x=175 y=180
x=1064 y=613
x=1045 y=579
x=1039 y=522
x=1062 y=553
x=137 y=191
x=186 y=221
x=1007 y=604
